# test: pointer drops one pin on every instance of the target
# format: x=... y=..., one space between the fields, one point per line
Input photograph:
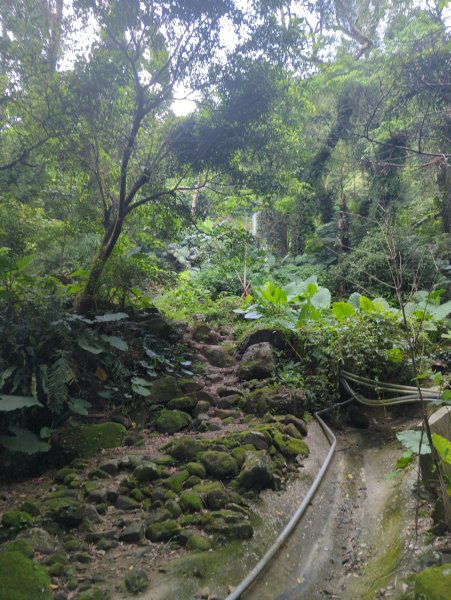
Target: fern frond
x=60 y=377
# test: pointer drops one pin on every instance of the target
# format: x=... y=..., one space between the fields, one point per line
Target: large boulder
x=257 y=471
x=89 y=440
x=22 y=579
x=257 y=362
x=203 y=333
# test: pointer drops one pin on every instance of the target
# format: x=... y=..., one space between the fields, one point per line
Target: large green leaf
x=366 y=305
x=354 y=300
x=342 y=310
x=79 y=406
x=89 y=347
x=443 y=447
x=115 y=341
x=8 y=402
x=410 y=439
x=322 y=298
x=106 y=318
x=24 y=441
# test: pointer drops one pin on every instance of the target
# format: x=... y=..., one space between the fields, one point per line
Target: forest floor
x=358 y=539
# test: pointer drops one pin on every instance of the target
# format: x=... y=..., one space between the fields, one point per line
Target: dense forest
x=185 y=170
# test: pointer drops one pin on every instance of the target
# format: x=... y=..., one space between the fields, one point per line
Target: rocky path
x=106 y=526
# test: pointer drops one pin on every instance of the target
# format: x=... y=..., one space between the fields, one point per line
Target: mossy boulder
x=202 y=333
x=185 y=403
x=162 y=531
x=190 y=502
x=89 y=440
x=70 y=512
x=176 y=481
x=257 y=471
x=198 y=543
x=230 y=524
x=147 y=471
x=184 y=448
x=16 y=519
x=22 y=579
x=171 y=421
x=219 y=464
x=257 y=401
x=197 y=469
x=239 y=453
x=434 y=583
x=257 y=362
x=165 y=389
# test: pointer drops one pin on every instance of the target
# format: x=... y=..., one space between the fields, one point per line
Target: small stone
x=126 y=503
x=136 y=582
x=147 y=471
x=110 y=466
x=204 y=592
x=132 y=534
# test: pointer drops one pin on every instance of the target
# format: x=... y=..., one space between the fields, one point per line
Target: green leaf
x=116 y=342
x=411 y=439
x=366 y=305
x=446 y=395
x=342 y=310
x=443 y=447
x=141 y=390
x=106 y=318
x=404 y=461
x=24 y=441
x=9 y=402
x=438 y=313
x=79 y=406
x=6 y=375
x=322 y=298
x=89 y=347
x=354 y=300
x=253 y=315
x=45 y=433
x=395 y=355
x=141 y=381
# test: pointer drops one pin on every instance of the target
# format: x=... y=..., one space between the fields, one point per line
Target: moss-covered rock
x=165 y=389
x=198 y=543
x=147 y=471
x=176 y=481
x=240 y=452
x=218 y=356
x=197 y=469
x=31 y=508
x=185 y=403
x=171 y=421
x=257 y=471
x=136 y=582
x=21 y=546
x=295 y=447
x=70 y=512
x=162 y=531
x=190 y=502
x=230 y=524
x=173 y=508
x=185 y=448
x=22 y=579
x=219 y=464
x=16 y=519
x=89 y=440
x=434 y=583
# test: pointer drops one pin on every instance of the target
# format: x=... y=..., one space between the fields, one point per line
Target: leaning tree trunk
x=85 y=302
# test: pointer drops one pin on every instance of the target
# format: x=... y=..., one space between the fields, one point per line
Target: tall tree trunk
x=444 y=183
x=85 y=302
